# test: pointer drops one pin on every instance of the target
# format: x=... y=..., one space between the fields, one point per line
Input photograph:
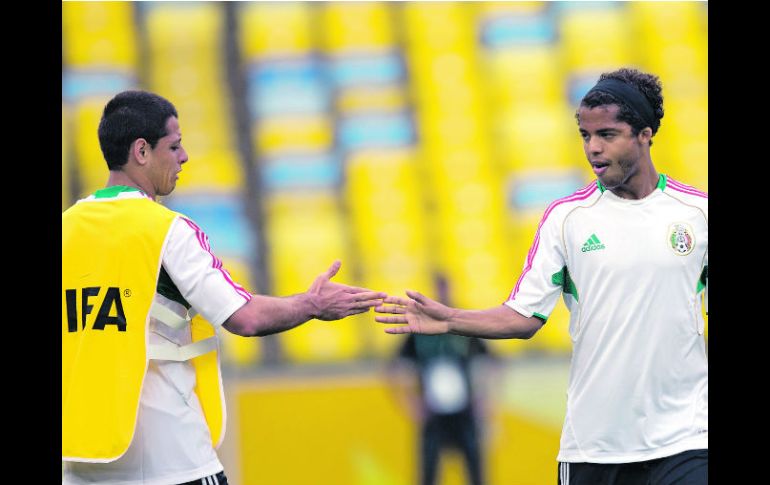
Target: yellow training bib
x=111 y=259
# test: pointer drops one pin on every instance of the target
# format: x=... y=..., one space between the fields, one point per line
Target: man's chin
x=609 y=182
x=165 y=192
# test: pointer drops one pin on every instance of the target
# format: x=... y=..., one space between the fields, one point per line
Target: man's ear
x=140 y=149
x=645 y=135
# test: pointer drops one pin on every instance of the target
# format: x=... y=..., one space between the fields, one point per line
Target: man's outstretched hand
x=419 y=313
x=333 y=301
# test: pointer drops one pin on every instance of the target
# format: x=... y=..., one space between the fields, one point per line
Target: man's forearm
x=266 y=315
x=493 y=323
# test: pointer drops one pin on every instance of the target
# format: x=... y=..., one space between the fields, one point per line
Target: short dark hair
x=648 y=84
x=128 y=116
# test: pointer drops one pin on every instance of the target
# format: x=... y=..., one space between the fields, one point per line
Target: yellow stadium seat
x=192 y=27
x=357 y=26
x=524 y=77
x=447 y=139
x=186 y=65
x=596 y=38
x=449 y=165
x=275 y=29
x=471 y=230
x=92 y=168
x=681 y=85
x=446 y=26
x=387 y=98
x=99 y=35
x=495 y=9
x=318 y=341
x=385 y=202
x=478 y=270
x=450 y=103
x=287 y=133
x=212 y=171
x=66 y=159
x=542 y=137
x=681 y=147
x=292 y=220
x=188 y=79
x=671 y=23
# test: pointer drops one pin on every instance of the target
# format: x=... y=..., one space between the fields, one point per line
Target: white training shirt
x=638 y=383
x=172 y=442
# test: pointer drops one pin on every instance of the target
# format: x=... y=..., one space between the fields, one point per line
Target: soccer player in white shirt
x=629 y=255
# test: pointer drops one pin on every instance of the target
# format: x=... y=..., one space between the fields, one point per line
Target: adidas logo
x=593 y=244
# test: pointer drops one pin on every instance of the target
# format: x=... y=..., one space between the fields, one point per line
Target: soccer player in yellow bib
x=629 y=255
x=141 y=293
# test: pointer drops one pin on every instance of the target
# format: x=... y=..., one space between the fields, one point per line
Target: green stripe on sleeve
x=562 y=278
x=702 y=280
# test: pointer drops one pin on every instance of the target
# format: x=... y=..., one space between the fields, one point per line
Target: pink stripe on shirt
x=203 y=240
x=581 y=194
x=687 y=189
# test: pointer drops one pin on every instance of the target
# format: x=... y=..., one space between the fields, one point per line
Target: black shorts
x=686 y=468
x=216 y=479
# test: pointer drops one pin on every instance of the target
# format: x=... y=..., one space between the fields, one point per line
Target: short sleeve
x=543 y=277
x=706 y=283
x=198 y=273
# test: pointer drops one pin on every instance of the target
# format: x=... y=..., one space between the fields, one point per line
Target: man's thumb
x=333 y=269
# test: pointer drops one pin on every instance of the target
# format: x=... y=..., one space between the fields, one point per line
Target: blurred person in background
x=142 y=291
x=629 y=255
x=447 y=403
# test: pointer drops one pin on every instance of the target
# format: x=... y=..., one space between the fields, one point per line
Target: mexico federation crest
x=681 y=238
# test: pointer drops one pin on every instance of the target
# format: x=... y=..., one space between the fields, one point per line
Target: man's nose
x=594 y=145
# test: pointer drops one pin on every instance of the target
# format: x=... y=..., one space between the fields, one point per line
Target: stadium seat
x=99 y=35
x=595 y=37
x=275 y=29
x=66 y=159
x=677 y=40
x=524 y=77
x=185 y=44
x=385 y=204
x=681 y=146
x=292 y=220
x=91 y=167
x=356 y=26
x=293 y=133
x=542 y=138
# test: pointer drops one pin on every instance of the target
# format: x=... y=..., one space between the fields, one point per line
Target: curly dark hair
x=128 y=116
x=648 y=84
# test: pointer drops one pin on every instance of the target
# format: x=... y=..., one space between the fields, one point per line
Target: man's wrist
x=452 y=321
x=306 y=306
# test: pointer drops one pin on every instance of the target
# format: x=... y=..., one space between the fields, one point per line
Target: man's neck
x=119 y=177
x=640 y=184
